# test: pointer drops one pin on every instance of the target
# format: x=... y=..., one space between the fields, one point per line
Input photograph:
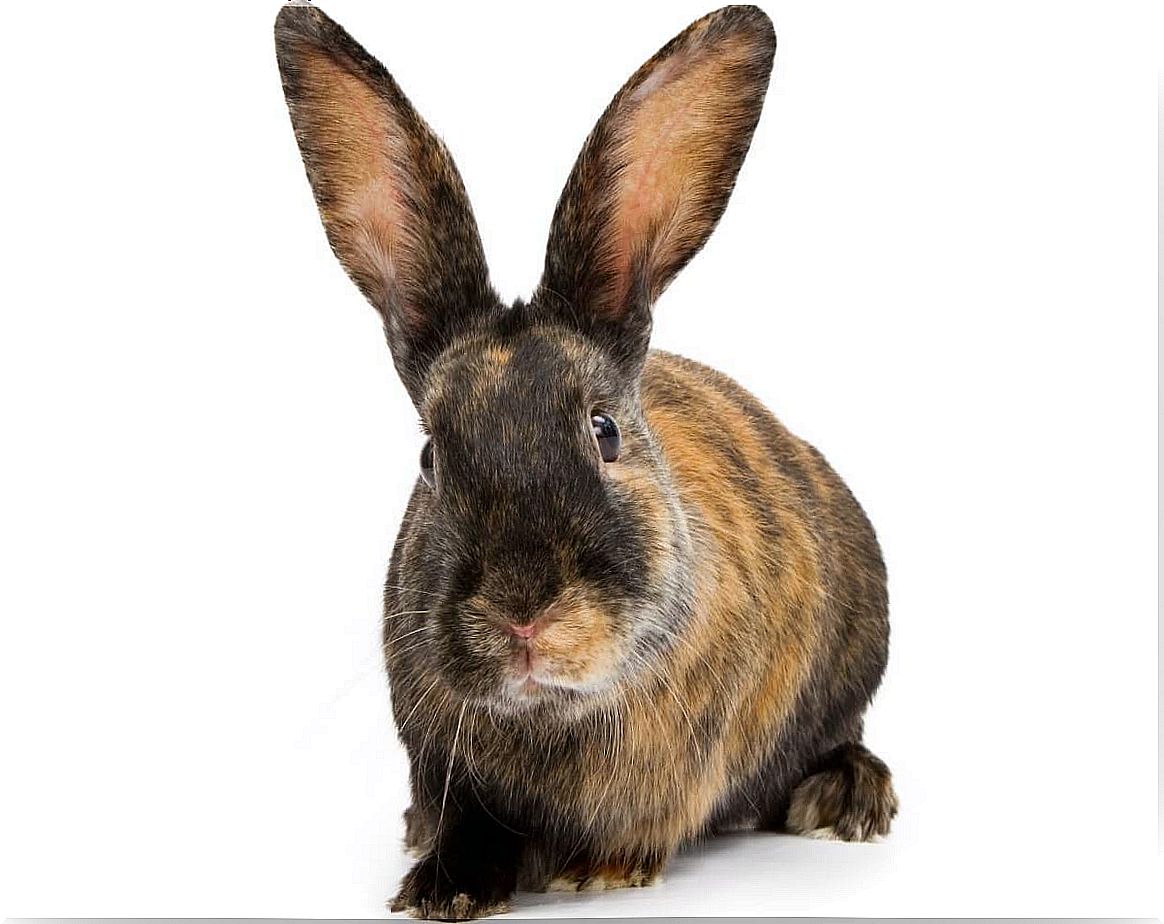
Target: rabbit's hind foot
x=848 y=797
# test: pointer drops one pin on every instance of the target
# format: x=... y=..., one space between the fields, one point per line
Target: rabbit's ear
x=655 y=174
x=392 y=201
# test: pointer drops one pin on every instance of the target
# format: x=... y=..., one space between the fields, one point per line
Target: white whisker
x=448 y=779
x=416 y=705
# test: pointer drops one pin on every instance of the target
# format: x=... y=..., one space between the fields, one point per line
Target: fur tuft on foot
x=849 y=797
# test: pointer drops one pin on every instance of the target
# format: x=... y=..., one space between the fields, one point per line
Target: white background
x=939 y=267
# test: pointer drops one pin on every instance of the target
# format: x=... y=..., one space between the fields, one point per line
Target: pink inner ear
x=658 y=76
x=676 y=129
x=378 y=239
x=359 y=148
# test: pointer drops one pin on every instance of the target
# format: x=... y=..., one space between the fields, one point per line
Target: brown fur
x=594 y=661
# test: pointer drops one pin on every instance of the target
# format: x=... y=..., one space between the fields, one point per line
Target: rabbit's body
x=626 y=608
x=777 y=649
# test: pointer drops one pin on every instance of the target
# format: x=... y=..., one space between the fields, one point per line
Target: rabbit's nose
x=524 y=632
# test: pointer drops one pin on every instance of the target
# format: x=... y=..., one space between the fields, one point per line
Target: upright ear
x=391 y=199
x=655 y=175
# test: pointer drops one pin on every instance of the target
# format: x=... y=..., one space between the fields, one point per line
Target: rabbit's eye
x=606 y=432
x=428 y=465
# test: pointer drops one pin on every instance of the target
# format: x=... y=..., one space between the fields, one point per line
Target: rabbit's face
x=544 y=548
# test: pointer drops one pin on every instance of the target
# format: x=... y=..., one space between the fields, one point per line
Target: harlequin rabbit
x=626 y=608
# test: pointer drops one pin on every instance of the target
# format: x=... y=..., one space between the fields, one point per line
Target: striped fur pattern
x=593 y=663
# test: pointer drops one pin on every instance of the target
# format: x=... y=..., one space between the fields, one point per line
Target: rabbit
x=626 y=608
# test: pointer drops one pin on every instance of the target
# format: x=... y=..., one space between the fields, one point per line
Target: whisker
x=418 y=645
x=448 y=779
x=400 y=638
x=416 y=705
x=414 y=590
x=404 y=613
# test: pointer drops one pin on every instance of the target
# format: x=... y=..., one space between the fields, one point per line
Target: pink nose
x=525 y=632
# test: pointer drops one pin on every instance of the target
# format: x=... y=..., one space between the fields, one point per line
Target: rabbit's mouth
x=532 y=676
x=572 y=648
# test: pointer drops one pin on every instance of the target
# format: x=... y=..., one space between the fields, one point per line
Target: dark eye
x=427 y=465
x=606 y=432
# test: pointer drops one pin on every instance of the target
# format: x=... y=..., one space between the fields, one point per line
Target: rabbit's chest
x=643 y=793
x=622 y=784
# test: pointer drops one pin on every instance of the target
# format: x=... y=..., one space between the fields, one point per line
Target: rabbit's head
x=547 y=547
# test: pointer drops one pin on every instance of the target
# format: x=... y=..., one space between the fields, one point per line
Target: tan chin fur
x=579 y=645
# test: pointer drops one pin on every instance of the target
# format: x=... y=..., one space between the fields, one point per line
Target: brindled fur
x=710 y=609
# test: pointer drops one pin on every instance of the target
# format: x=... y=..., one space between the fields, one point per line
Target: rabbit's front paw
x=451 y=890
